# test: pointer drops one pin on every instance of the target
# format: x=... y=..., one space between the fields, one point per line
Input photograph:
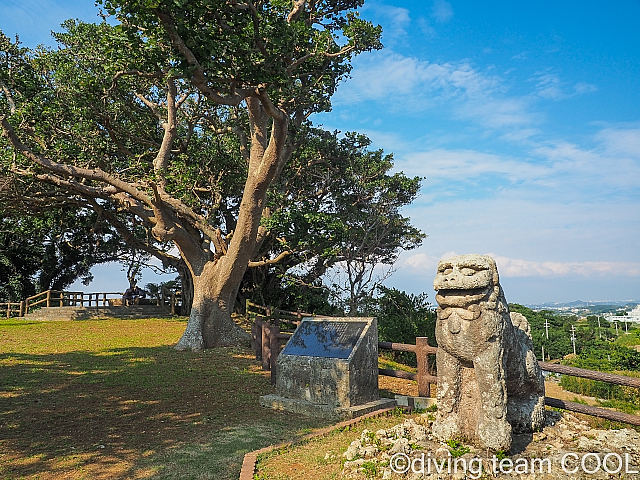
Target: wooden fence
x=12 y=309
x=267 y=340
x=253 y=310
x=62 y=298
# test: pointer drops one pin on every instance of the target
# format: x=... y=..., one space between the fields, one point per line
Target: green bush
x=401 y=318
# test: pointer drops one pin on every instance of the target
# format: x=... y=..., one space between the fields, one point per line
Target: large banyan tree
x=154 y=117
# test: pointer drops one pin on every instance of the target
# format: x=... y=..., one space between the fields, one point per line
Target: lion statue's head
x=467 y=283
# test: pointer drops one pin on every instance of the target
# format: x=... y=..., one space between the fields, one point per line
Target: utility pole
x=599 y=330
x=546 y=327
x=616 y=323
x=543 y=353
x=626 y=330
x=573 y=338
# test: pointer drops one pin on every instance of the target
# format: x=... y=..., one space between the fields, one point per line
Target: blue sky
x=524 y=117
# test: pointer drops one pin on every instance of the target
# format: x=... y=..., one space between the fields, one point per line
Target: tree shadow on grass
x=135 y=413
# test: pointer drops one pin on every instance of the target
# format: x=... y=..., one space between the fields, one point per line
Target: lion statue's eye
x=447 y=271
x=468 y=271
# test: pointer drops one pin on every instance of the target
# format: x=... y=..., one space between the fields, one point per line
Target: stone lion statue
x=489 y=381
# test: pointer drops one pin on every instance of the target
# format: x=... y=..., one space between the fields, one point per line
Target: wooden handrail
x=58 y=298
x=404 y=347
x=38 y=302
x=593 y=411
x=12 y=306
x=590 y=374
x=38 y=294
x=272 y=310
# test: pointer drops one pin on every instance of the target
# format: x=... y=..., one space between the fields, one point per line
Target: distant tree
x=52 y=250
x=559 y=343
x=49 y=241
x=402 y=317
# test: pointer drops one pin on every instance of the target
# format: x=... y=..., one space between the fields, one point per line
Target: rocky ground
x=567 y=448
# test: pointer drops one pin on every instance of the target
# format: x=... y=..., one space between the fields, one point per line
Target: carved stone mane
x=489 y=381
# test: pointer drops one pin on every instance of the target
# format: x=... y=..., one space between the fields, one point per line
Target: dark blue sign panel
x=325 y=338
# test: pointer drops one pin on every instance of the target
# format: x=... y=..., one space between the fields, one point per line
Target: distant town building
x=632 y=316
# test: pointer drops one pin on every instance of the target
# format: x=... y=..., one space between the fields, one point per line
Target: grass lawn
x=110 y=399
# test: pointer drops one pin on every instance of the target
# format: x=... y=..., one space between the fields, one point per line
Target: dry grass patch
x=320 y=458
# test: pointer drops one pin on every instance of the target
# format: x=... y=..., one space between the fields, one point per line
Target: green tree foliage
x=336 y=204
x=606 y=357
x=559 y=342
x=52 y=250
x=597 y=349
x=401 y=318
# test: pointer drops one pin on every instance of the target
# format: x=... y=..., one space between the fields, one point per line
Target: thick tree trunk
x=216 y=281
x=186 y=289
x=210 y=324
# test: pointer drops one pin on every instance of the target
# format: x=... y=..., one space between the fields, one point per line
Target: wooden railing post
x=22 y=308
x=422 y=357
x=266 y=345
x=62 y=299
x=275 y=350
x=49 y=298
x=104 y=300
x=8 y=309
x=256 y=336
x=276 y=318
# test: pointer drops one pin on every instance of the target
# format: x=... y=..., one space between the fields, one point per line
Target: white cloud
x=441 y=164
x=599 y=167
x=511 y=267
x=622 y=141
x=497 y=112
x=395 y=20
x=441 y=11
x=581 y=88
x=392 y=78
x=550 y=87
x=426 y=28
x=560 y=170
x=410 y=84
x=521 y=134
x=422 y=261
